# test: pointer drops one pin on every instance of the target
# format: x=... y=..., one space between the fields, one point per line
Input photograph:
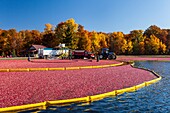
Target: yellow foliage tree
x=129 y=47
x=95 y=39
x=155 y=46
x=48 y=27
x=102 y=38
x=162 y=48
x=119 y=43
x=154 y=42
x=84 y=42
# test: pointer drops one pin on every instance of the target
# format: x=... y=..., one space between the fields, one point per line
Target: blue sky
x=98 y=15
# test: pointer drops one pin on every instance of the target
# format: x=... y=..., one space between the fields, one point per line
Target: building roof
x=36 y=47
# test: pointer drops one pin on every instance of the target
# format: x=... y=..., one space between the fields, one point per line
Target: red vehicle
x=77 y=54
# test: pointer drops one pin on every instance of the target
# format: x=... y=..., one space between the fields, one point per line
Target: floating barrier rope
x=58 y=68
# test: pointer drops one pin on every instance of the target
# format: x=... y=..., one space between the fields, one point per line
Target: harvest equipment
x=106 y=54
x=82 y=54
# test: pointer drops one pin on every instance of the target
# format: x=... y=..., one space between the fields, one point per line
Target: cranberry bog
x=22 y=88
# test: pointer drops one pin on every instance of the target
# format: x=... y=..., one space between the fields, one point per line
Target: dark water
x=152 y=99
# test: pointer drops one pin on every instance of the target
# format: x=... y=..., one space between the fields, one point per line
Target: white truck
x=52 y=52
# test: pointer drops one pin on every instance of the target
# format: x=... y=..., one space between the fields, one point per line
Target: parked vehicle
x=77 y=54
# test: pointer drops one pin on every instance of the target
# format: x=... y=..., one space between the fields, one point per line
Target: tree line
x=153 y=40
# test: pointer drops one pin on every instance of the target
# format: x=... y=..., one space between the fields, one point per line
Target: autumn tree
x=11 y=43
x=163 y=36
x=103 y=40
x=37 y=37
x=119 y=42
x=3 y=41
x=162 y=48
x=66 y=32
x=137 y=38
x=20 y=42
x=158 y=32
x=154 y=45
x=48 y=27
x=8 y=41
x=12 y=39
x=28 y=39
x=168 y=41
x=49 y=38
x=141 y=47
x=95 y=39
x=84 y=41
x=129 y=44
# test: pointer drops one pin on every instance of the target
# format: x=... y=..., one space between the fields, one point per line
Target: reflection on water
x=152 y=99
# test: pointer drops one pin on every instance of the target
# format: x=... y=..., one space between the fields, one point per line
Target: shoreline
x=144 y=58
